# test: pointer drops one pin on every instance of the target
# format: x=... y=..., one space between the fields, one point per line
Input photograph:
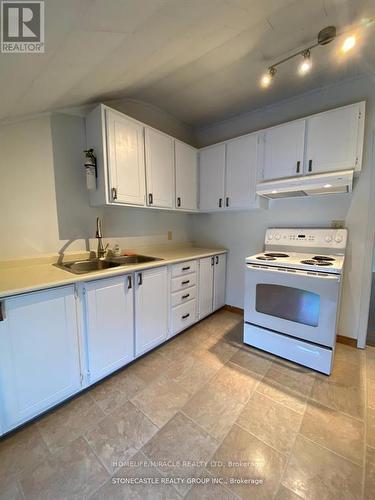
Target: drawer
x=183 y=282
x=183 y=296
x=184 y=268
x=183 y=316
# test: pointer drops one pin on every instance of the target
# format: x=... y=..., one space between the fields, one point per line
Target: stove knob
x=328 y=239
x=277 y=236
x=338 y=239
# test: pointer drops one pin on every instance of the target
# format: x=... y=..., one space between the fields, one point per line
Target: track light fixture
x=325 y=36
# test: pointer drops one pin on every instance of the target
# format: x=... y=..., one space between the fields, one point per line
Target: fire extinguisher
x=91 y=170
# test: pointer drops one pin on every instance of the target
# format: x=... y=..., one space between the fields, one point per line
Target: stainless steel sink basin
x=89 y=266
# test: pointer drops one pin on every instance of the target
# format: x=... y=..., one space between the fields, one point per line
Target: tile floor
x=205 y=406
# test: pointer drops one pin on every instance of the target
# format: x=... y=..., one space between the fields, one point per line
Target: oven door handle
x=294 y=272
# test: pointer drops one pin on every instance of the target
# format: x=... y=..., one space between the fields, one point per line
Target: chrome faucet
x=100 y=254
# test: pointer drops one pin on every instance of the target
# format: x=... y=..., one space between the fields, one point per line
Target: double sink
x=92 y=265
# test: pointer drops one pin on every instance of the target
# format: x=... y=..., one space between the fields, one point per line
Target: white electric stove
x=292 y=295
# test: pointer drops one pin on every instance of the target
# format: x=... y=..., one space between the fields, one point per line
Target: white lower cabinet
x=39 y=354
x=183 y=303
x=109 y=314
x=211 y=284
x=151 y=309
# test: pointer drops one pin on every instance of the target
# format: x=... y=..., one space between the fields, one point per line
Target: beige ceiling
x=200 y=60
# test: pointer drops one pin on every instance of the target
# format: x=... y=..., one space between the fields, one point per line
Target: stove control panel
x=323 y=238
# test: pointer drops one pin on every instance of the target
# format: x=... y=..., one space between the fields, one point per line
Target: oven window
x=293 y=304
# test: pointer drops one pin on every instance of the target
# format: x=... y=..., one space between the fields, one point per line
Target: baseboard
x=339 y=338
x=233 y=309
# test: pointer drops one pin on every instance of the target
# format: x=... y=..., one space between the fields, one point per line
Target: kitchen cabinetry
x=125 y=159
x=39 y=353
x=334 y=139
x=183 y=287
x=159 y=149
x=241 y=171
x=212 y=177
x=283 y=148
x=151 y=309
x=212 y=274
x=110 y=324
x=186 y=175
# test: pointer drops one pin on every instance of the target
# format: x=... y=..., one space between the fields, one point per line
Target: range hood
x=307 y=185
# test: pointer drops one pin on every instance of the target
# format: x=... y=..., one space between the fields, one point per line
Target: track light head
x=266 y=79
x=306 y=64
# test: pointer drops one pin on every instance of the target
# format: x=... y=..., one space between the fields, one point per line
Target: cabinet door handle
x=227 y=201
x=185 y=296
x=150 y=199
x=185 y=282
x=298 y=166
x=217 y=259
x=140 y=279
x=114 y=193
x=2 y=311
x=129 y=282
x=186 y=268
x=220 y=202
x=212 y=261
x=310 y=165
x=185 y=316
x=178 y=201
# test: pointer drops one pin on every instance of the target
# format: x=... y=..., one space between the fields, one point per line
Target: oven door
x=293 y=302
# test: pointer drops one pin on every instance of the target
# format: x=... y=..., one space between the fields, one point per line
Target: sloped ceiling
x=200 y=60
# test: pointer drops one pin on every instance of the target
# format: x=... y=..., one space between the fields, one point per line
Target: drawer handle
x=186 y=268
x=129 y=282
x=140 y=279
x=185 y=316
x=185 y=296
x=179 y=201
x=185 y=282
x=2 y=311
x=212 y=261
x=217 y=259
x=298 y=166
x=150 y=199
x=310 y=165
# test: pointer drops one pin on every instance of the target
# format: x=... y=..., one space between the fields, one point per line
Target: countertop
x=39 y=273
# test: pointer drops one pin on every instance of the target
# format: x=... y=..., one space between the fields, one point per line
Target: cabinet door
x=241 y=171
x=186 y=161
x=151 y=309
x=110 y=325
x=159 y=168
x=39 y=353
x=219 y=281
x=283 y=150
x=212 y=177
x=126 y=164
x=206 y=284
x=332 y=140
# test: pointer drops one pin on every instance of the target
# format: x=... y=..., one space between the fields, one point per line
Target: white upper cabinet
x=283 y=148
x=110 y=325
x=241 y=171
x=212 y=177
x=125 y=149
x=159 y=168
x=186 y=172
x=39 y=353
x=334 y=139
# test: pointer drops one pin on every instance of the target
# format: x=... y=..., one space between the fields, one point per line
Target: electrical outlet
x=338 y=224
x=169 y=237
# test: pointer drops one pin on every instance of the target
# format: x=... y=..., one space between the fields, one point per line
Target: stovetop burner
x=276 y=254
x=322 y=258
x=311 y=262
x=266 y=257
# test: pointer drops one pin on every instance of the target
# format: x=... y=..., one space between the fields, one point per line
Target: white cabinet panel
x=241 y=171
x=205 y=288
x=219 y=281
x=159 y=168
x=186 y=164
x=39 y=354
x=212 y=177
x=110 y=325
x=333 y=140
x=283 y=148
x=126 y=164
x=151 y=308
